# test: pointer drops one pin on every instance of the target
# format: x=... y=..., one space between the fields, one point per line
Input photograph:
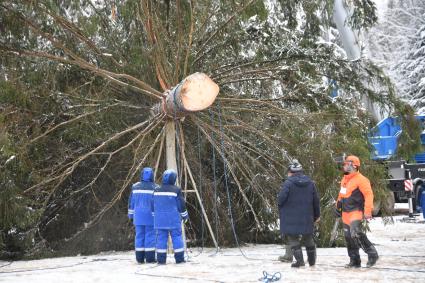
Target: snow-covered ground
x=401 y=247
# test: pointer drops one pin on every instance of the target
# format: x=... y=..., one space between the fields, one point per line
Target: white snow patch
x=400 y=246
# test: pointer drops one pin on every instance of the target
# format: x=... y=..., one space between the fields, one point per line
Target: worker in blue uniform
x=169 y=210
x=139 y=209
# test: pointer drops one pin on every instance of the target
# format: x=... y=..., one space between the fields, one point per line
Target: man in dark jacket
x=299 y=209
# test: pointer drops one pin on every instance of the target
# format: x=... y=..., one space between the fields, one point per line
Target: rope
x=215 y=183
x=60 y=266
x=379 y=268
x=229 y=202
x=179 y=169
x=6 y=264
x=200 y=188
x=201 y=249
x=186 y=278
x=270 y=277
x=226 y=185
x=177 y=136
x=177 y=131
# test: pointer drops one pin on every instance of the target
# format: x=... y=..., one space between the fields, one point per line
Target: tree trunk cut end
x=195 y=93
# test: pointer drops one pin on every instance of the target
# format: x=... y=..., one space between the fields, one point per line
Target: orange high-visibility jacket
x=355 y=196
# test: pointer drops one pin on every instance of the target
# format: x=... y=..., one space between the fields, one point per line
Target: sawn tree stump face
x=195 y=93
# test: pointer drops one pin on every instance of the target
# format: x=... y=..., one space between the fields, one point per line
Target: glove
x=368 y=216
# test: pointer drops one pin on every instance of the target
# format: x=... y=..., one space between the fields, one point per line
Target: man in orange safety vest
x=355 y=203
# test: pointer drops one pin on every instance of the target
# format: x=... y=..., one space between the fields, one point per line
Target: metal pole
x=408 y=176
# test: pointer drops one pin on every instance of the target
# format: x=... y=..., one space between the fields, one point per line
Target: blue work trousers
x=161 y=245
x=145 y=243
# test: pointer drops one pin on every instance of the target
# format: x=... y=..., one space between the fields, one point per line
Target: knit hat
x=295 y=166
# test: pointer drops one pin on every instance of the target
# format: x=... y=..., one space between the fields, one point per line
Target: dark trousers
x=296 y=240
x=355 y=239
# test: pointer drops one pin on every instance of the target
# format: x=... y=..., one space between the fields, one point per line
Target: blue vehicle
x=384 y=138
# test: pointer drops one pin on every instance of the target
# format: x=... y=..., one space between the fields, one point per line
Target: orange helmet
x=353 y=159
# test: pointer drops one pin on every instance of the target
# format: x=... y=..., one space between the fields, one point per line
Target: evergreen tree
x=80 y=79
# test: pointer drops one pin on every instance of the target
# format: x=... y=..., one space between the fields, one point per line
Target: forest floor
x=401 y=247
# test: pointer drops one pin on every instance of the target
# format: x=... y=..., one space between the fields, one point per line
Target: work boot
x=140 y=257
x=150 y=257
x=371 y=260
x=298 y=254
x=288 y=255
x=285 y=258
x=354 y=263
x=161 y=258
x=179 y=257
x=311 y=255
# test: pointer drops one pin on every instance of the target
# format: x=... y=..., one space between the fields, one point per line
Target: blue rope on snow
x=270 y=277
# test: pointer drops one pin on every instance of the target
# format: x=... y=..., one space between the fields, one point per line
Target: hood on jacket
x=169 y=177
x=146 y=174
x=299 y=179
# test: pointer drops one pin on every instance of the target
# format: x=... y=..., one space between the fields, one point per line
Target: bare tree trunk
x=170 y=149
x=170 y=155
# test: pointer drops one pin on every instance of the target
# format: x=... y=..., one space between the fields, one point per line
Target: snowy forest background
x=397 y=44
x=78 y=80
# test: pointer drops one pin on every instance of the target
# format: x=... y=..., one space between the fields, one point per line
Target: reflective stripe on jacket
x=168 y=207
x=140 y=203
